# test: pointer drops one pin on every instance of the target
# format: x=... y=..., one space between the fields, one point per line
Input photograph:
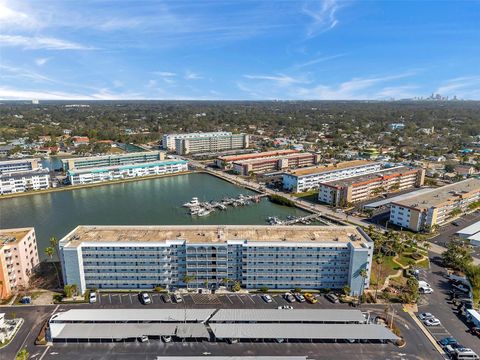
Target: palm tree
x=363 y=273
x=49 y=251
x=187 y=279
x=379 y=262
x=22 y=355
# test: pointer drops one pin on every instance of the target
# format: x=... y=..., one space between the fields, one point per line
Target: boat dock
x=291 y=220
x=198 y=208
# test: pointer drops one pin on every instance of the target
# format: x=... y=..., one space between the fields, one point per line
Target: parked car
x=285 y=307
x=450 y=349
x=461 y=287
x=310 y=298
x=425 y=290
x=176 y=298
x=448 y=341
x=289 y=297
x=332 y=298
x=145 y=299
x=465 y=353
x=166 y=299
x=425 y=316
x=92 y=298
x=432 y=322
x=267 y=298
x=424 y=284
x=166 y=338
x=143 y=338
x=300 y=298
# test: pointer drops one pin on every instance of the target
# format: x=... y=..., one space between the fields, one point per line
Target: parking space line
x=250 y=298
x=130 y=296
x=228 y=297
x=240 y=298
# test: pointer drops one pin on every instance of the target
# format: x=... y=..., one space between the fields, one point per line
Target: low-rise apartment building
x=22 y=165
x=310 y=178
x=18 y=258
x=200 y=144
x=437 y=207
x=226 y=162
x=12 y=183
x=118 y=172
x=168 y=140
x=363 y=187
x=275 y=163
x=280 y=257
x=112 y=160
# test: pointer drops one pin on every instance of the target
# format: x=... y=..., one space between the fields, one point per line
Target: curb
x=427 y=333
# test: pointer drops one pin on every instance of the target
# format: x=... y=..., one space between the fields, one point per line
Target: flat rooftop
x=275 y=158
x=372 y=176
x=442 y=195
x=329 y=167
x=256 y=155
x=17 y=161
x=215 y=234
x=112 y=156
x=10 y=236
x=124 y=166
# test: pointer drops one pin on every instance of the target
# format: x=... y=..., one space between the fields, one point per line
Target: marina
x=198 y=208
x=149 y=202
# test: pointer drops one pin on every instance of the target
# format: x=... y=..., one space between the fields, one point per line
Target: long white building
x=310 y=178
x=168 y=140
x=109 y=173
x=18 y=176
x=280 y=257
x=206 y=144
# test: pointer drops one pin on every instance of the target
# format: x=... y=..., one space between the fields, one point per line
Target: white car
x=285 y=307
x=424 y=284
x=425 y=316
x=145 y=298
x=425 y=290
x=267 y=298
x=432 y=322
x=93 y=297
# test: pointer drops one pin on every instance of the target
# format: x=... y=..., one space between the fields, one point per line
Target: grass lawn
x=388 y=267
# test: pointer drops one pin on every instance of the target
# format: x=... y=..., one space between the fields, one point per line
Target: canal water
x=148 y=202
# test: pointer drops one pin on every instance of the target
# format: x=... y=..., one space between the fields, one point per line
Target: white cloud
x=13 y=17
x=323 y=16
x=41 y=61
x=101 y=94
x=40 y=42
x=317 y=60
x=466 y=87
x=15 y=72
x=165 y=73
x=280 y=79
x=189 y=75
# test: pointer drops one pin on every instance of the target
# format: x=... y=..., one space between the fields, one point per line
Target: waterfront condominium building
x=201 y=144
x=280 y=257
x=226 y=162
x=363 y=187
x=22 y=165
x=117 y=172
x=436 y=207
x=112 y=160
x=275 y=163
x=168 y=140
x=309 y=178
x=18 y=258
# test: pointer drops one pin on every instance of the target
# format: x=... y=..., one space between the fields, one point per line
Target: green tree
x=363 y=274
x=458 y=255
x=22 y=355
x=49 y=251
x=187 y=279
x=236 y=286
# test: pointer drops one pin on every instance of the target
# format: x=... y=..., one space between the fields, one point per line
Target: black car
x=166 y=299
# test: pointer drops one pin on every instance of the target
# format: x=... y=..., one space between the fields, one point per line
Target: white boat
x=204 y=212
x=191 y=203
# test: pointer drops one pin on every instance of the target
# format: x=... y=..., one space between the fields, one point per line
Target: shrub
x=264 y=289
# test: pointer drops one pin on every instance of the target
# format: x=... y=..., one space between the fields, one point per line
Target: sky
x=248 y=50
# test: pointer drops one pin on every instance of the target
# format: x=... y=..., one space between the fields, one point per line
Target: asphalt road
x=417 y=346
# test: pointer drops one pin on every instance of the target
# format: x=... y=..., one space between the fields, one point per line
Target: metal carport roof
x=110 y=331
x=295 y=315
x=132 y=315
x=195 y=330
x=303 y=331
x=387 y=201
x=233 y=358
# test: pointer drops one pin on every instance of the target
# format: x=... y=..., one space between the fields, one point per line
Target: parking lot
x=131 y=299
x=439 y=305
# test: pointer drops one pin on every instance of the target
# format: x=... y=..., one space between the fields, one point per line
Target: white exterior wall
x=116 y=174
x=16 y=184
x=311 y=181
x=168 y=140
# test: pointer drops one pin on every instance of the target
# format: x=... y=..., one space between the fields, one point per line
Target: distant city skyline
x=245 y=50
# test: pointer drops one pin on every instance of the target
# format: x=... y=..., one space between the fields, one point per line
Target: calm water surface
x=147 y=202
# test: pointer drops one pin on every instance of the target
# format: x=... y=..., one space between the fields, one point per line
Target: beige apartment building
x=18 y=258
x=363 y=187
x=437 y=207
